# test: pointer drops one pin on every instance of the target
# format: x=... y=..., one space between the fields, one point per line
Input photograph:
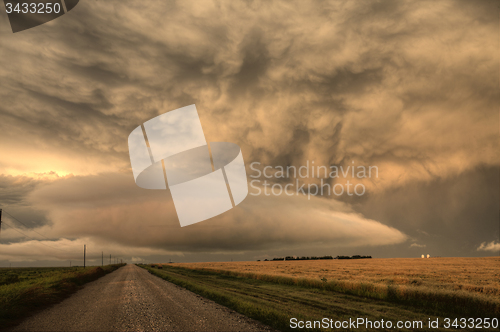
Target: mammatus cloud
x=492 y=246
x=409 y=87
x=327 y=92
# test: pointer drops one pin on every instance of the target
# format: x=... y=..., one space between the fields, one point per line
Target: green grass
x=273 y=300
x=25 y=290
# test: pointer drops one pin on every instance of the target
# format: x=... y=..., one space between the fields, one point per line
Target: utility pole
x=84 y=252
x=109 y=259
x=0 y=222
x=102 y=258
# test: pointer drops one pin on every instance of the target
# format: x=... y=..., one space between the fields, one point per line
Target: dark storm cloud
x=411 y=87
x=451 y=215
x=18 y=211
x=13 y=190
x=111 y=207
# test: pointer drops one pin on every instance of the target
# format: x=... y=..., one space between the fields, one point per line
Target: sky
x=407 y=88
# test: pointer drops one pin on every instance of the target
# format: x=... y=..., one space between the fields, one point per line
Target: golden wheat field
x=476 y=275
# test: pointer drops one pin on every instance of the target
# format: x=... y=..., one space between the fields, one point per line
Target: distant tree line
x=352 y=257
x=303 y=258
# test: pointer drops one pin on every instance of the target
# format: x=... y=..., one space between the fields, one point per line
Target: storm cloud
x=409 y=87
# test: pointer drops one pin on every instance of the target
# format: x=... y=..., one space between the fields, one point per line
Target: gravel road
x=131 y=299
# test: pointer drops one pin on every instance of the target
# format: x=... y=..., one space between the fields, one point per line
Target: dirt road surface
x=131 y=299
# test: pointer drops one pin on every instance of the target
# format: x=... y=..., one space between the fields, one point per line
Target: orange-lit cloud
x=409 y=87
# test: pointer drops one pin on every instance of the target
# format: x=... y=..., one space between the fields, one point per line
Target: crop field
x=275 y=291
x=474 y=275
x=412 y=288
x=25 y=290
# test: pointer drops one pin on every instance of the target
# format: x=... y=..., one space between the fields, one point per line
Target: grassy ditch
x=24 y=290
x=274 y=301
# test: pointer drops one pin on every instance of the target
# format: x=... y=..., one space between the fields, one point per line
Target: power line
x=19 y=221
x=17 y=230
x=12 y=227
